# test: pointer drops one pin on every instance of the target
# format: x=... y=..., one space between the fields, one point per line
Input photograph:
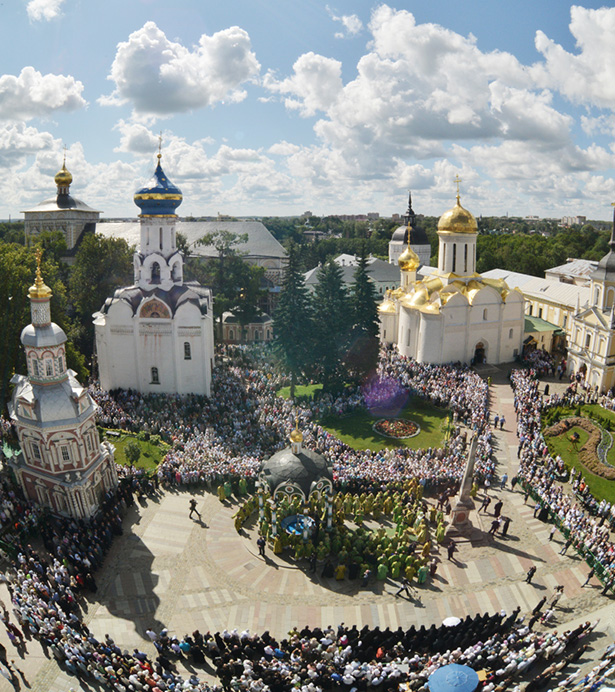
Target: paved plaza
x=170 y=571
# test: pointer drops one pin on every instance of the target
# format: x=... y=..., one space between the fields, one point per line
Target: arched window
x=465 y=259
x=454 y=257
x=155 y=273
x=231 y=335
x=485 y=314
x=155 y=378
x=48 y=367
x=160 y=237
x=176 y=272
x=257 y=335
x=588 y=339
x=510 y=333
x=187 y=351
x=268 y=334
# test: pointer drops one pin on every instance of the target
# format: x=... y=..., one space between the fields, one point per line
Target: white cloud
x=32 y=94
x=44 y=9
x=351 y=23
x=160 y=77
x=586 y=77
x=314 y=86
x=602 y=124
x=18 y=141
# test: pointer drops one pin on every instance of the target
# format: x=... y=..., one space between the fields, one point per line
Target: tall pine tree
x=332 y=322
x=292 y=321
x=362 y=355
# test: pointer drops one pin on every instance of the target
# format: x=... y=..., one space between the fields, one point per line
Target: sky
x=275 y=107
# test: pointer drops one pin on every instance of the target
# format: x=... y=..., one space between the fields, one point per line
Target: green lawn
x=151 y=454
x=356 y=431
x=599 y=487
x=300 y=390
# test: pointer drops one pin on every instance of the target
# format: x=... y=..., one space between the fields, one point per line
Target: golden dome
x=39 y=289
x=408 y=260
x=296 y=435
x=387 y=307
x=63 y=177
x=457 y=220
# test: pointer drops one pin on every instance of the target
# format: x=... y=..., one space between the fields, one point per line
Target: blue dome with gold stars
x=160 y=197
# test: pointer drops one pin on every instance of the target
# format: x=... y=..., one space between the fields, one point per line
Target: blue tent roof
x=453 y=678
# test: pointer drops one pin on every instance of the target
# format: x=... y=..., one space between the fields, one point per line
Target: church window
x=510 y=333
x=268 y=334
x=529 y=312
x=48 y=367
x=408 y=338
x=465 y=259
x=155 y=273
x=187 y=351
x=564 y=321
x=160 y=237
x=444 y=255
x=454 y=257
x=256 y=335
x=65 y=454
x=60 y=364
x=36 y=370
x=36 y=451
x=175 y=272
x=485 y=314
x=384 y=334
x=155 y=376
x=597 y=295
x=609 y=298
x=540 y=313
x=88 y=442
x=231 y=335
x=588 y=340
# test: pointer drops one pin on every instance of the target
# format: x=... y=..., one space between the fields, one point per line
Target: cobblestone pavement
x=168 y=570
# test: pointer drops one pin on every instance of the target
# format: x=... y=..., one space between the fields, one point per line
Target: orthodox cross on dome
x=160 y=145
x=457 y=180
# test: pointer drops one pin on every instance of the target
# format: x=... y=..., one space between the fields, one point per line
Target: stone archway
x=480 y=353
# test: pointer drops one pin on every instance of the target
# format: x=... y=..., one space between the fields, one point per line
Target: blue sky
x=273 y=107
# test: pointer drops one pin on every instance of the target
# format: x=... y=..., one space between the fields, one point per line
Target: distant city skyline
x=269 y=108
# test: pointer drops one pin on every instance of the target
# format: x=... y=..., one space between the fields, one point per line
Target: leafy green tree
x=362 y=353
x=53 y=245
x=224 y=273
x=332 y=322
x=246 y=307
x=132 y=452
x=18 y=268
x=101 y=265
x=292 y=322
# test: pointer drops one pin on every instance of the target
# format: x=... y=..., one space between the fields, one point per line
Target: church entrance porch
x=480 y=354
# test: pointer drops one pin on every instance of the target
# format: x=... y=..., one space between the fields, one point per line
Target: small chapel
x=63 y=466
x=157 y=335
x=453 y=314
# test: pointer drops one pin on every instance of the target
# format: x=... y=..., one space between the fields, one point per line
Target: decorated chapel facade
x=454 y=314
x=157 y=335
x=63 y=465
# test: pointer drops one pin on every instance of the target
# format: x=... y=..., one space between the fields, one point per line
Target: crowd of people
x=228 y=436
x=245 y=421
x=588 y=532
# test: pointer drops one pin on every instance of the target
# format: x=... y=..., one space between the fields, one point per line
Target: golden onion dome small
x=39 y=288
x=63 y=177
x=408 y=260
x=296 y=435
x=387 y=307
x=457 y=220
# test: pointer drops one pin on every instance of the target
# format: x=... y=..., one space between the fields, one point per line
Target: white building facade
x=157 y=335
x=591 y=344
x=63 y=465
x=453 y=314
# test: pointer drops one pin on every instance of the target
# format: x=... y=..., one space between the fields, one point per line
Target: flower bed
x=398 y=428
x=588 y=453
